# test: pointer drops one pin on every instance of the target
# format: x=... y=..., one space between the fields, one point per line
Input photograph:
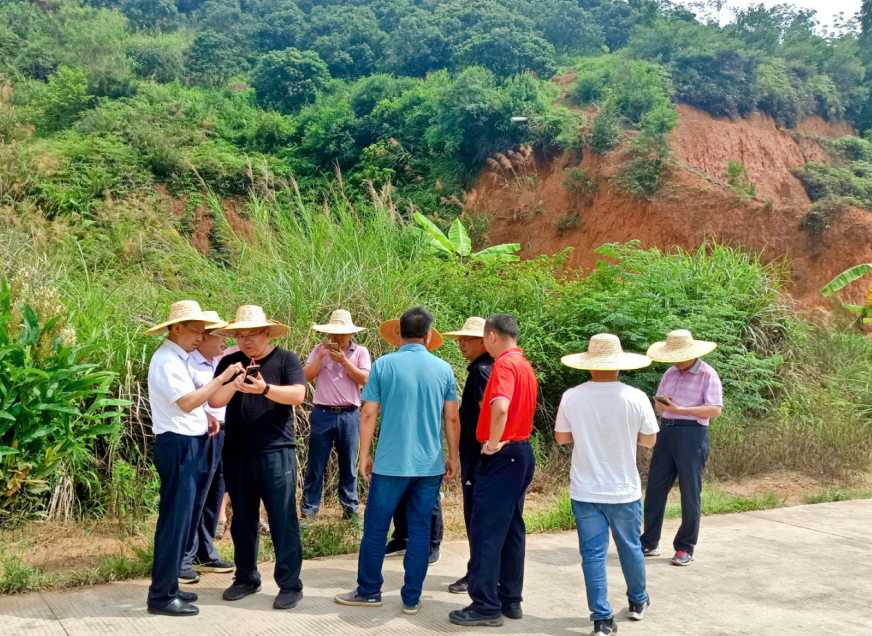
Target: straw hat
x=390 y=331
x=340 y=323
x=472 y=328
x=214 y=321
x=252 y=317
x=604 y=353
x=182 y=311
x=680 y=347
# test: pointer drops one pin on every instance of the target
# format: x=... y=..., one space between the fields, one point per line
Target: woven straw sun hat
x=182 y=311
x=680 y=347
x=340 y=323
x=252 y=317
x=214 y=321
x=390 y=331
x=604 y=353
x=472 y=328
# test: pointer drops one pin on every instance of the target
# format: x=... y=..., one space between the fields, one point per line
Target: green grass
x=837 y=493
x=558 y=516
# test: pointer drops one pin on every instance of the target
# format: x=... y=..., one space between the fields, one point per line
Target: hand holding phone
x=251 y=371
x=662 y=399
x=334 y=346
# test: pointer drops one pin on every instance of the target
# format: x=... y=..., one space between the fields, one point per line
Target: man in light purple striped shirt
x=689 y=395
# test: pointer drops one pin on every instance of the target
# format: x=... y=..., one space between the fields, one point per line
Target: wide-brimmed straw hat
x=472 y=328
x=340 y=323
x=252 y=317
x=182 y=311
x=390 y=331
x=604 y=353
x=214 y=321
x=680 y=347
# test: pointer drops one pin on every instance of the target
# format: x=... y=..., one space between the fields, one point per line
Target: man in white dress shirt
x=201 y=555
x=181 y=430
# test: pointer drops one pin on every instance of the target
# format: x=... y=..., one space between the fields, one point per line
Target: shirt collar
x=352 y=347
x=482 y=358
x=172 y=346
x=510 y=352
x=695 y=368
x=199 y=358
x=413 y=347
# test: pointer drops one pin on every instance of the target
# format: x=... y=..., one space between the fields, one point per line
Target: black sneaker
x=239 y=591
x=356 y=600
x=605 y=628
x=218 y=565
x=468 y=617
x=395 y=547
x=287 y=599
x=513 y=611
x=460 y=587
x=637 y=610
x=188 y=576
x=435 y=556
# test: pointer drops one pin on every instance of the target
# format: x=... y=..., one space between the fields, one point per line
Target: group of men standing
x=227 y=418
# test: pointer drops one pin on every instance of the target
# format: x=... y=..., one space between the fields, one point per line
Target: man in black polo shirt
x=260 y=461
x=470 y=338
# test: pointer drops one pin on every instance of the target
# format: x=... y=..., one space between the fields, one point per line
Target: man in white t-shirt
x=606 y=420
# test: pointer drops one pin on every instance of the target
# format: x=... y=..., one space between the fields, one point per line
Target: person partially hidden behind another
x=606 y=420
x=415 y=392
x=260 y=462
x=691 y=395
x=181 y=433
x=497 y=534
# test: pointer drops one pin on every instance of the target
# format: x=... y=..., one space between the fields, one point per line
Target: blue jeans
x=342 y=429
x=593 y=521
x=384 y=495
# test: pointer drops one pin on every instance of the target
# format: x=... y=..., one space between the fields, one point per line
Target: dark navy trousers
x=329 y=429
x=207 y=505
x=179 y=463
x=680 y=451
x=401 y=522
x=497 y=534
x=467 y=481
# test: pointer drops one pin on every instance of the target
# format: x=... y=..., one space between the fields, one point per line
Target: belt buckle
x=336 y=409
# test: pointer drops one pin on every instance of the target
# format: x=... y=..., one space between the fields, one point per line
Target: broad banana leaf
x=430 y=240
x=459 y=238
x=501 y=252
x=846 y=277
x=430 y=228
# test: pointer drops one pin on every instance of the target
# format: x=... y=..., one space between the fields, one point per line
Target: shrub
x=738 y=177
x=66 y=97
x=580 y=186
x=607 y=132
x=287 y=80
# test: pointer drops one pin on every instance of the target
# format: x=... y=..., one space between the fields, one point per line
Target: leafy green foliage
x=849 y=176
x=739 y=178
x=457 y=242
x=212 y=59
x=287 y=80
x=66 y=97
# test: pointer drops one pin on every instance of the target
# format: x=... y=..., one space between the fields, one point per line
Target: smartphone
x=661 y=399
x=251 y=371
x=334 y=346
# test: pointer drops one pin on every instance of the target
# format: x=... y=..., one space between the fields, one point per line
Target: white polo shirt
x=203 y=372
x=168 y=380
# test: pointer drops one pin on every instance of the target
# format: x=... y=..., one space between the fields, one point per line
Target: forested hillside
x=115 y=96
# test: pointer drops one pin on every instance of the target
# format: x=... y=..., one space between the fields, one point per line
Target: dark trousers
x=385 y=492
x=201 y=538
x=401 y=522
x=680 y=451
x=497 y=532
x=343 y=430
x=467 y=482
x=179 y=463
x=271 y=477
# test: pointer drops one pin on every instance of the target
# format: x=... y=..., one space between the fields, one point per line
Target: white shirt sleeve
x=173 y=380
x=561 y=425
x=647 y=416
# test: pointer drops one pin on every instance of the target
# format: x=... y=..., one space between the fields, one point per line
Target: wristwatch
x=266 y=390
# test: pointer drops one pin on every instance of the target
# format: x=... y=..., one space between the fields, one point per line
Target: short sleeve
x=293 y=371
x=450 y=387
x=372 y=389
x=479 y=377
x=502 y=383
x=648 y=419
x=561 y=424
x=174 y=379
x=312 y=356
x=364 y=362
x=714 y=392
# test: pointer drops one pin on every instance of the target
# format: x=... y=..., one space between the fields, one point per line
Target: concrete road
x=802 y=570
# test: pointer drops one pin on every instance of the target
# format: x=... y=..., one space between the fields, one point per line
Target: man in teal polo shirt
x=415 y=392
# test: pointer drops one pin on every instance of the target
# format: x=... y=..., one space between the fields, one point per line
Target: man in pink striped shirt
x=689 y=395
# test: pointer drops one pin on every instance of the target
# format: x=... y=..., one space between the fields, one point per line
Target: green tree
x=566 y=25
x=607 y=132
x=212 y=59
x=507 y=51
x=152 y=62
x=422 y=44
x=287 y=80
x=66 y=97
x=348 y=39
x=457 y=242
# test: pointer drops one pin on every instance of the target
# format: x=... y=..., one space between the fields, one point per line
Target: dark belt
x=512 y=442
x=337 y=409
x=670 y=422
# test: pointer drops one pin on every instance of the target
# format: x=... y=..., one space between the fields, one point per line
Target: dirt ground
x=58 y=547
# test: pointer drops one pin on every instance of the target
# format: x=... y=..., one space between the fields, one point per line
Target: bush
x=287 y=80
x=66 y=97
x=607 y=132
x=738 y=177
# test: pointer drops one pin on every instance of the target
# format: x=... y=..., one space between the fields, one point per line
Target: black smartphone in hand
x=252 y=371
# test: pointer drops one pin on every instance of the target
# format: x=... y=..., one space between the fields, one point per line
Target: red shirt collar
x=510 y=352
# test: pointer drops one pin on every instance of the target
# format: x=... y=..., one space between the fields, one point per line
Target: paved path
x=802 y=570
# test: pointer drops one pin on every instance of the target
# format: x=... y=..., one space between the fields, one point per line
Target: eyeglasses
x=249 y=336
x=466 y=341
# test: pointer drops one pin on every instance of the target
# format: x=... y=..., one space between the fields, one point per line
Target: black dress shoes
x=176 y=607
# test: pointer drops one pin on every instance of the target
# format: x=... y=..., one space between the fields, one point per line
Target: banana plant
x=457 y=242
x=843 y=280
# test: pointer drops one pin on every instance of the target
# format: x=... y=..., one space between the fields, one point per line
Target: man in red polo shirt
x=497 y=533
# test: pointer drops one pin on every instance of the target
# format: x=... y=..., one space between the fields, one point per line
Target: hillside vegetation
x=336 y=122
